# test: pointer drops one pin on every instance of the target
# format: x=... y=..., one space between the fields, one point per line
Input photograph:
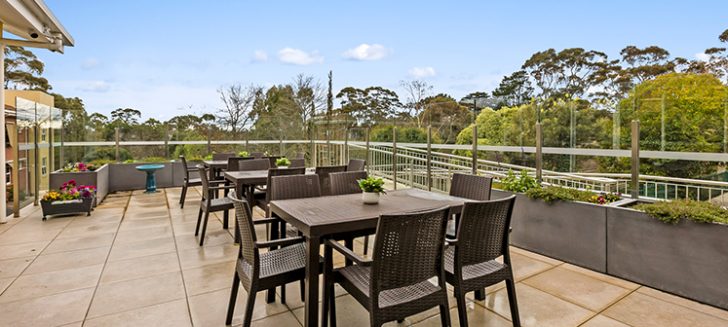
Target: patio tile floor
x=136 y=262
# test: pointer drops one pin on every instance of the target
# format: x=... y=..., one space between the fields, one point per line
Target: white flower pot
x=370 y=197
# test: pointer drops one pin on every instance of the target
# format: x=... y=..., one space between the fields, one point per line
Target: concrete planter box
x=125 y=176
x=98 y=178
x=574 y=232
x=688 y=259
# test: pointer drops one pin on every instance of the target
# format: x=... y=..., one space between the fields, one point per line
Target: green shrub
x=106 y=153
x=554 y=193
x=672 y=212
x=520 y=183
x=283 y=162
x=372 y=185
x=243 y=154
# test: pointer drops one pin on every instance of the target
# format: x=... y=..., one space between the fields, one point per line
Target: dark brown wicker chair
x=263 y=199
x=472 y=187
x=297 y=163
x=211 y=204
x=300 y=155
x=323 y=173
x=348 y=183
x=234 y=163
x=408 y=252
x=222 y=156
x=260 y=271
x=273 y=160
x=187 y=182
x=355 y=165
x=254 y=164
x=470 y=263
x=257 y=155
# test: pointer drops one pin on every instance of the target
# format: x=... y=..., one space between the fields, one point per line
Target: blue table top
x=149 y=167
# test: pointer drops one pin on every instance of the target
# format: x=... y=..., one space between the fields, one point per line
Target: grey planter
x=573 y=232
x=98 y=179
x=125 y=176
x=67 y=207
x=688 y=259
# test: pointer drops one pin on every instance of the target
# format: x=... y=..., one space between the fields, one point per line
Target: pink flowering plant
x=70 y=191
x=79 y=167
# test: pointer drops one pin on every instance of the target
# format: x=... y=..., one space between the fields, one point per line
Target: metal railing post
x=61 y=160
x=635 y=159
x=281 y=149
x=13 y=133
x=247 y=145
x=429 y=158
x=539 y=153
x=313 y=152
x=346 y=145
x=394 y=156
x=662 y=123
x=475 y=149
x=36 y=161
x=368 y=158
x=166 y=142
x=209 y=142
x=328 y=148
x=116 y=143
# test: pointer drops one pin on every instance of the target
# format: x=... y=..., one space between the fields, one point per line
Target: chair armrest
x=451 y=241
x=348 y=253
x=265 y=221
x=279 y=242
x=217 y=181
x=214 y=188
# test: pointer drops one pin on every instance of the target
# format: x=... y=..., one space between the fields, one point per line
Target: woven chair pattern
x=323 y=173
x=355 y=165
x=346 y=182
x=297 y=163
x=471 y=186
x=222 y=156
x=254 y=164
x=234 y=163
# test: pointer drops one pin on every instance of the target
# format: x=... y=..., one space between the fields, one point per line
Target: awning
x=32 y=21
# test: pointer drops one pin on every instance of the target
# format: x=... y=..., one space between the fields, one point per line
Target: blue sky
x=164 y=57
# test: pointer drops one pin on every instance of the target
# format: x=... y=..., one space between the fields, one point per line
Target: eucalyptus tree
x=23 y=70
x=416 y=92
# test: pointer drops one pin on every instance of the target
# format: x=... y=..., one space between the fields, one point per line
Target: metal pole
x=328 y=148
x=662 y=123
x=3 y=177
x=313 y=152
x=394 y=156
x=429 y=158
x=117 y=136
x=635 y=183
x=346 y=144
x=280 y=147
x=539 y=153
x=16 y=165
x=166 y=141
x=209 y=143
x=61 y=160
x=36 y=157
x=725 y=126
x=475 y=149
x=368 y=158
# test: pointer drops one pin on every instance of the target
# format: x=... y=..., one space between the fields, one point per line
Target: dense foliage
x=372 y=185
x=555 y=193
x=674 y=211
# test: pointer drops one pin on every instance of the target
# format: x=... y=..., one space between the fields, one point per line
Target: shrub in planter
x=674 y=211
x=281 y=162
x=555 y=193
x=243 y=154
x=70 y=198
x=79 y=167
x=371 y=187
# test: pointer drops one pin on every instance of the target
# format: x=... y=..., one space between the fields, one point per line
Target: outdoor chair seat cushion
x=359 y=277
x=219 y=204
x=276 y=262
x=492 y=269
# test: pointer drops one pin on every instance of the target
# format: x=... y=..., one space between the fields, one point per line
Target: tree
x=565 y=74
x=237 y=101
x=716 y=62
x=23 y=70
x=647 y=63
x=309 y=100
x=329 y=99
x=127 y=116
x=369 y=106
x=514 y=90
x=416 y=91
x=611 y=84
x=446 y=115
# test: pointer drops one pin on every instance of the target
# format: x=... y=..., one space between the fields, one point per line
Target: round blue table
x=151 y=180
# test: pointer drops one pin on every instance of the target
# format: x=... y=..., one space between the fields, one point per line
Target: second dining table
x=329 y=216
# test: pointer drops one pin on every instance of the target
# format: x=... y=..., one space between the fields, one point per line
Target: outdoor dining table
x=329 y=216
x=215 y=166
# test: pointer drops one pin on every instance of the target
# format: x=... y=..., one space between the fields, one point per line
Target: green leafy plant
x=673 y=211
x=555 y=193
x=519 y=183
x=243 y=154
x=207 y=157
x=283 y=162
x=372 y=185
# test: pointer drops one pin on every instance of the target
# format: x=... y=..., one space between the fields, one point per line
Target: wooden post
x=539 y=153
x=635 y=159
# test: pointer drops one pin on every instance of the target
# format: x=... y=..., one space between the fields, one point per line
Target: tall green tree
x=369 y=106
x=514 y=90
x=23 y=70
x=416 y=92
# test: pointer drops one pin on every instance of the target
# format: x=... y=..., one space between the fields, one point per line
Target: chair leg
x=349 y=244
x=199 y=220
x=462 y=310
x=249 y=305
x=480 y=295
x=233 y=298
x=512 y=302
x=328 y=289
x=182 y=196
x=225 y=218
x=303 y=290
x=204 y=227
x=283 y=294
x=445 y=314
x=366 y=244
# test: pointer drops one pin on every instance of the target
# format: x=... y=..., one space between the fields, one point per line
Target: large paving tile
x=207 y=255
x=138 y=293
x=172 y=314
x=141 y=248
x=140 y=267
x=602 y=321
x=348 y=313
x=43 y=284
x=609 y=279
x=83 y=231
x=21 y=250
x=54 y=310
x=477 y=316
x=67 y=260
x=137 y=224
x=143 y=234
x=27 y=235
x=212 y=238
x=723 y=314
x=577 y=288
x=4 y=283
x=283 y=319
x=639 y=309
x=80 y=243
x=537 y=308
x=209 y=278
x=13 y=267
x=210 y=309
x=536 y=256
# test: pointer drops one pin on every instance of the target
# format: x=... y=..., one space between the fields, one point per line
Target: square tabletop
x=252 y=177
x=215 y=163
x=347 y=213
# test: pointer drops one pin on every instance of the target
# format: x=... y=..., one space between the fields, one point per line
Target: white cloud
x=367 y=52
x=299 y=57
x=260 y=56
x=702 y=56
x=90 y=63
x=422 y=72
x=94 y=86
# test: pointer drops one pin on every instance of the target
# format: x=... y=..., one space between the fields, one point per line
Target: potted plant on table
x=371 y=187
x=70 y=198
x=283 y=162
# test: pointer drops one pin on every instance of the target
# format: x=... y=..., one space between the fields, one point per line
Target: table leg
x=312 y=281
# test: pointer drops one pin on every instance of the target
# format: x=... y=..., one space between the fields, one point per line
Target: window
x=43 y=166
x=42 y=134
